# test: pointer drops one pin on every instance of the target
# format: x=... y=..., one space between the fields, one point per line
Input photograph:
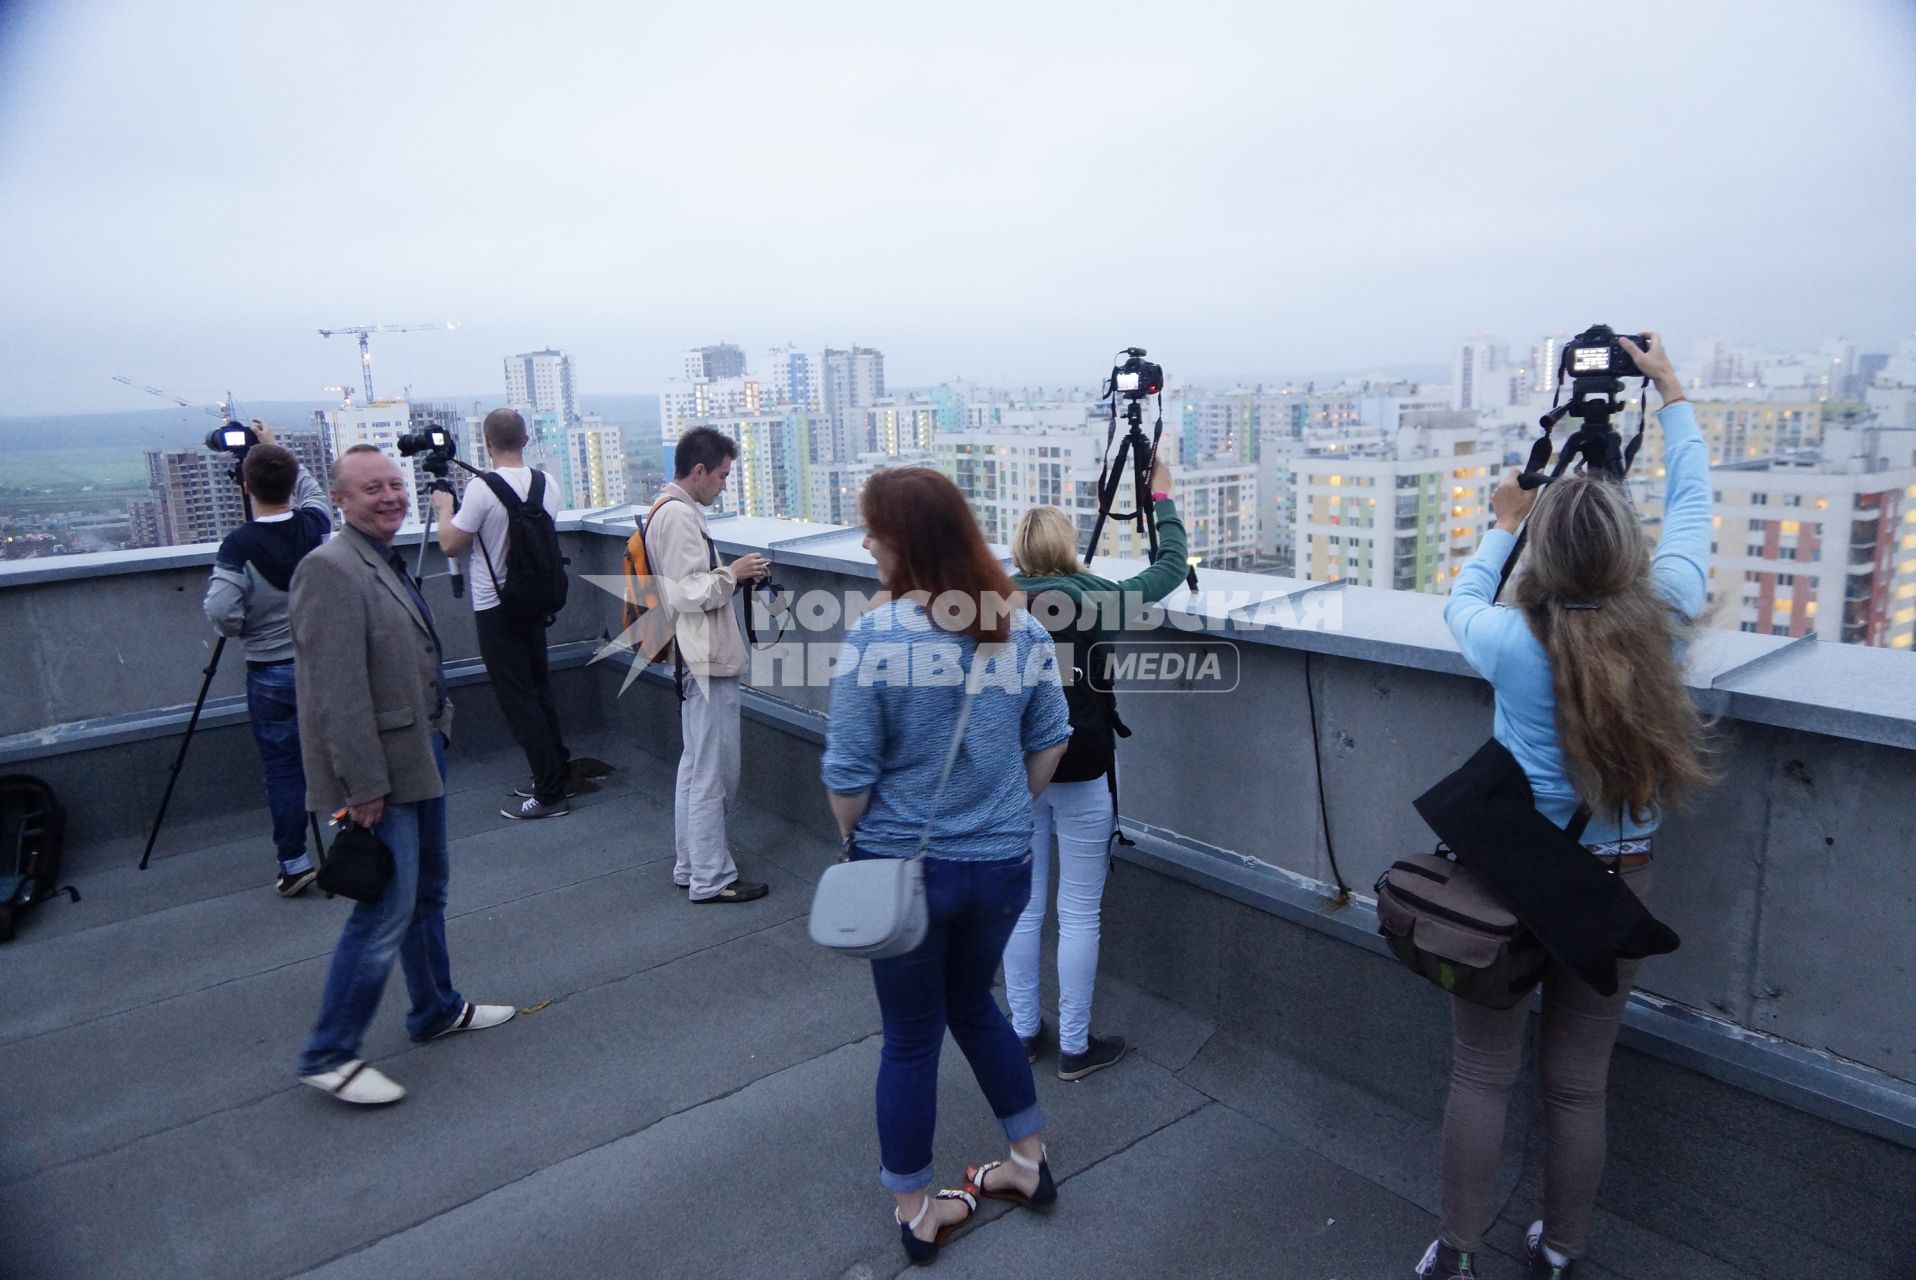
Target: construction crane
x=224 y=411
x=365 y=347
x=345 y=395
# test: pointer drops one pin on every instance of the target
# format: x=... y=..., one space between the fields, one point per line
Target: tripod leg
x=1105 y=499
x=192 y=723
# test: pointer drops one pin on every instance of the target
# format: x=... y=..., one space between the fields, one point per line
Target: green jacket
x=1131 y=595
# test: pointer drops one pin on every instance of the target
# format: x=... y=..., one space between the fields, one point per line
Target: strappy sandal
x=924 y=1251
x=1043 y=1198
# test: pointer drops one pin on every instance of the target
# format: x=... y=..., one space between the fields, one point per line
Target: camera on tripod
x=1596 y=362
x=1134 y=380
x=437 y=445
x=1137 y=378
x=232 y=437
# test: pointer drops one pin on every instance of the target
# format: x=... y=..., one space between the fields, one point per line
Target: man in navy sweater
x=247 y=598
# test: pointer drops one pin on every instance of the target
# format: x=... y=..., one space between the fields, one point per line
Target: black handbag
x=358 y=866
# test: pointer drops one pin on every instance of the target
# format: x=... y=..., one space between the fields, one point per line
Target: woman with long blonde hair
x=1077 y=806
x=1590 y=701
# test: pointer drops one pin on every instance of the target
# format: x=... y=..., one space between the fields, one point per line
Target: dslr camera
x=232 y=437
x=1596 y=353
x=1137 y=378
x=438 y=447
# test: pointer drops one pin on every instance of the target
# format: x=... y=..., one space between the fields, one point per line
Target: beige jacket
x=678 y=551
x=366 y=679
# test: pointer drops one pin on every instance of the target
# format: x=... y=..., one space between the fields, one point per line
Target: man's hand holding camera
x=443 y=505
x=751 y=567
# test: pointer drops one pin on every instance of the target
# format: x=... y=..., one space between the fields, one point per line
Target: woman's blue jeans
x=946 y=983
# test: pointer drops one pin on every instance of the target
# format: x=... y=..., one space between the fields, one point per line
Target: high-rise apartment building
x=722 y=360
x=1484 y=376
x=771 y=476
x=589 y=462
x=1403 y=514
x=195 y=497
x=379 y=424
x=541 y=382
x=1818 y=539
x=850 y=381
x=835 y=485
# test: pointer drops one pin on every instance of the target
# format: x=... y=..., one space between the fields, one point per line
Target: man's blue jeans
x=407 y=921
x=946 y=982
x=275 y=716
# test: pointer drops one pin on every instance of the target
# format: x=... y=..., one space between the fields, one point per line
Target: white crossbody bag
x=875 y=908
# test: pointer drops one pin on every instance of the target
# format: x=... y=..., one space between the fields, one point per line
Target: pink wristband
x=1160 y=496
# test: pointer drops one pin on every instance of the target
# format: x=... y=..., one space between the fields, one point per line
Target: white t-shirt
x=484 y=517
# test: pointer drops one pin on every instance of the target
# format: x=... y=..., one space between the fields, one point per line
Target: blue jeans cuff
x=905 y=1183
x=296 y=866
x=1022 y=1124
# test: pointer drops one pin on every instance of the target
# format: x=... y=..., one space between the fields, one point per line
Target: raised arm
x=1174 y=546
x=1681 y=567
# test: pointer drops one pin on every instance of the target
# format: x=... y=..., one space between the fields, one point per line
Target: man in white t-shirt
x=513 y=646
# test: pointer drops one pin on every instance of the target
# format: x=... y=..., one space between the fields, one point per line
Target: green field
x=71 y=470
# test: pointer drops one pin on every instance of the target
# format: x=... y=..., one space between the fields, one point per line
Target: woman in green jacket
x=1077 y=804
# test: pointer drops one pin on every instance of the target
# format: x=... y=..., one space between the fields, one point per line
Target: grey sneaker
x=1539 y=1263
x=530 y=808
x=525 y=792
x=1441 y=1262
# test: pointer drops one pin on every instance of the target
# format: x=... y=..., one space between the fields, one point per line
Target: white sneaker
x=477 y=1017
x=358 y=1083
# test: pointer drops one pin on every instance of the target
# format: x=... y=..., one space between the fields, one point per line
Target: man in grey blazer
x=374 y=720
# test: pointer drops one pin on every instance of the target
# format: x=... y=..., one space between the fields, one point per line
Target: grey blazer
x=366 y=677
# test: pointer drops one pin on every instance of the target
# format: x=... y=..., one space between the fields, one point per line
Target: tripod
x=1143 y=457
x=1593 y=402
x=193 y=722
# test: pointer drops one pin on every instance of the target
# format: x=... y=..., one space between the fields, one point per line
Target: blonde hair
x=1630 y=734
x=1046 y=544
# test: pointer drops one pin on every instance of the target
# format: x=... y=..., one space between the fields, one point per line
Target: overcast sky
x=1006 y=192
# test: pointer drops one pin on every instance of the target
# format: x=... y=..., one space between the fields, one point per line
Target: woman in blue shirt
x=1590 y=700
x=951 y=627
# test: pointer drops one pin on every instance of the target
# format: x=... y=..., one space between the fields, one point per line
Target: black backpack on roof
x=535 y=569
x=32 y=827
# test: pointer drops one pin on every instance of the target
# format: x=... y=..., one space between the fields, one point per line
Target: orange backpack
x=647 y=622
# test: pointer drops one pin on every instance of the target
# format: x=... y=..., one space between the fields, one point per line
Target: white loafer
x=477 y=1017
x=358 y=1083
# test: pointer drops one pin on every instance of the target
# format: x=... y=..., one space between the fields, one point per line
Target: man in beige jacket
x=698 y=590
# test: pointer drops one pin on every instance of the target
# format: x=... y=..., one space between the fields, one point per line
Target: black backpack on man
x=535 y=585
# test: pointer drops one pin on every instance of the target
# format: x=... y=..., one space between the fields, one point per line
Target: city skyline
x=1275 y=192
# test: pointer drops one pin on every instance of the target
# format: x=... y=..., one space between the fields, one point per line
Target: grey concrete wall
x=1791 y=881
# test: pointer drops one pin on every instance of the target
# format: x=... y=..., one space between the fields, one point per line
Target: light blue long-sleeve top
x=896 y=695
x=1498 y=642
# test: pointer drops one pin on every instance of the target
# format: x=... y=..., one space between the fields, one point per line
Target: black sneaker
x=1441 y=1262
x=294 y=885
x=1099 y=1052
x=737 y=891
x=1541 y=1267
x=1035 y=1043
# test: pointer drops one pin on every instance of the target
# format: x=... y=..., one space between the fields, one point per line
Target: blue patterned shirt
x=896 y=695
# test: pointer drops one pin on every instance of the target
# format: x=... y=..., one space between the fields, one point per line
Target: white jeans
x=708 y=781
x=1081 y=815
